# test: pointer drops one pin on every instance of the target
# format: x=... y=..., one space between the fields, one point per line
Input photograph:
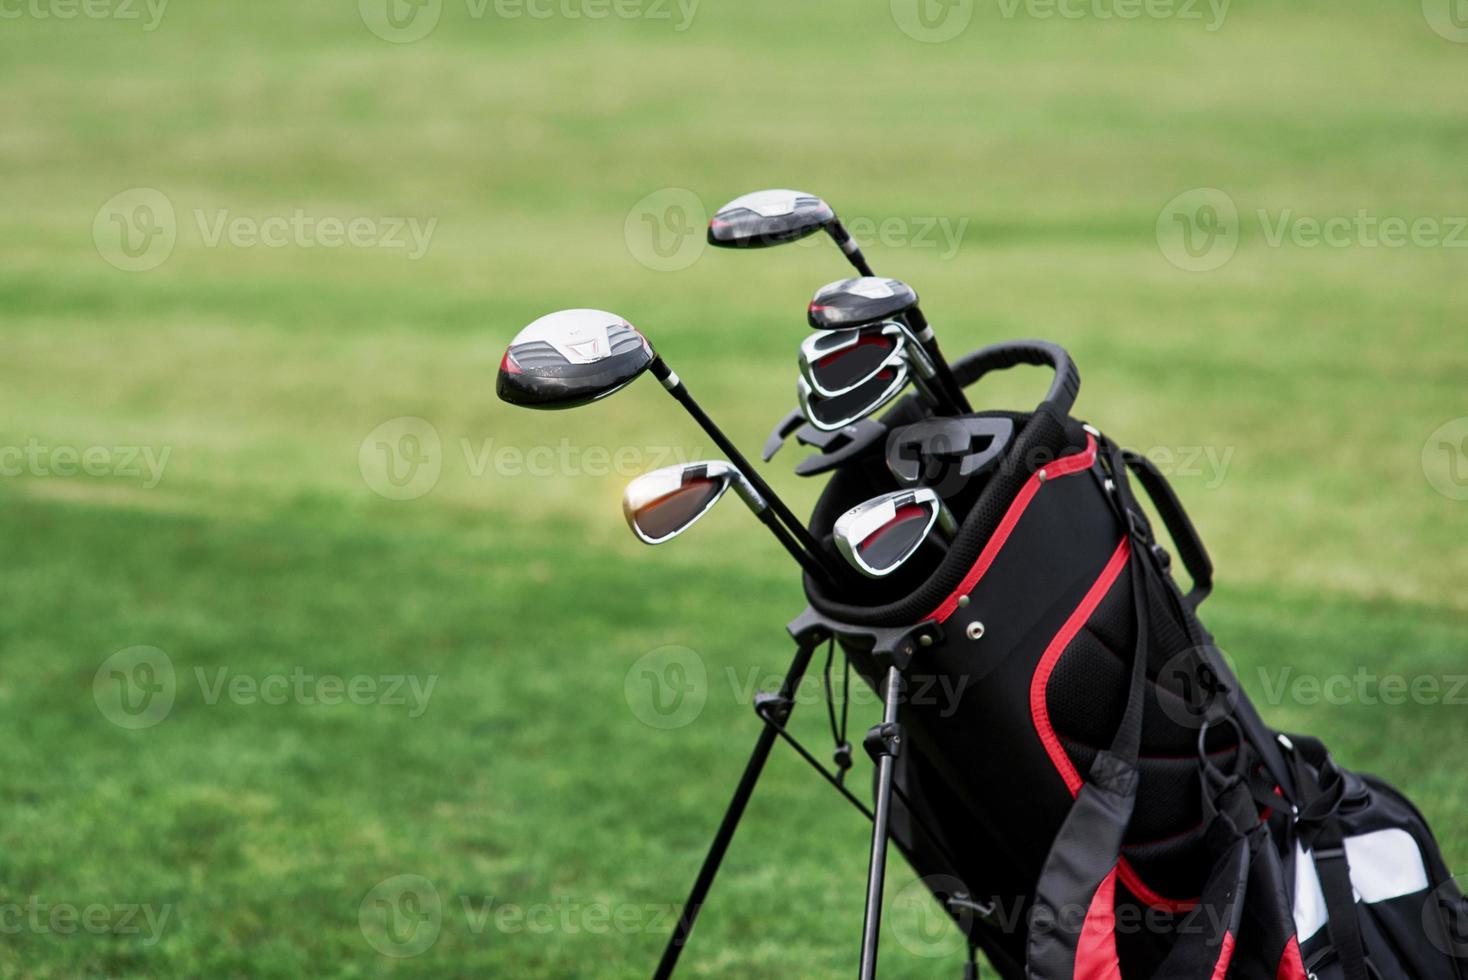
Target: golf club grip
x=1041 y=353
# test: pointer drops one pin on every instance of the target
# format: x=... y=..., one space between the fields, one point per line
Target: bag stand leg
x=883 y=743
x=805 y=648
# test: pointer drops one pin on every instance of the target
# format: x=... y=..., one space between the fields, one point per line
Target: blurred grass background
x=538 y=146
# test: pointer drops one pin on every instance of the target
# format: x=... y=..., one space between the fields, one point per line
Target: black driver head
x=855 y=302
x=570 y=358
x=766 y=218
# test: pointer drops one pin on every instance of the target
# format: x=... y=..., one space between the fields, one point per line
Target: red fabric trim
x=1039 y=709
x=1225 y=957
x=1040 y=713
x=1065 y=466
x=1096 y=957
x=1292 y=964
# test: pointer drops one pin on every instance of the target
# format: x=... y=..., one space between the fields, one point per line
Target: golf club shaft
x=807 y=541
x=919 y=323
x=807 y=562
x=848 y=246
x=924 y=333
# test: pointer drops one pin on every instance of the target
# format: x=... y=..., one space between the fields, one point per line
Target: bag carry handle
x=1041 y=353
x=1179 y=526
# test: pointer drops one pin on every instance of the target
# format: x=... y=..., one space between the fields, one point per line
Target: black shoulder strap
x=1320 y=787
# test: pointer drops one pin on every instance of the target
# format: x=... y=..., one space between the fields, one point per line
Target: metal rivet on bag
x=962 y=601
x=1041 y=475
x=975 y=630
x=925 y=640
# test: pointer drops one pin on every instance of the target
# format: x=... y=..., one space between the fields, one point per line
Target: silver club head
x=766 y=218
x=835 y=362
x=662 y=504
x=570 y=358
x=878 y=536
x=853 y=302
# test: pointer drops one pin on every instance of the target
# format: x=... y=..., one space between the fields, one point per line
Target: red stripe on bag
x=1065 y=466
x=1292 y=964
x=1096 y=957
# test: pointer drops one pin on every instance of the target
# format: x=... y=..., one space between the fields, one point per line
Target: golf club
x=878 y=536
x=574 y=357
x=774 y=217
x=870 y=299
x=836 y=361
x=831 y=412
x=664 y=503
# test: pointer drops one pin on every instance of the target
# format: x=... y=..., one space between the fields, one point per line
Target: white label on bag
x=1385 y=864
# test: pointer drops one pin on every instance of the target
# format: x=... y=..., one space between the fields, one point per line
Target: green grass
x=526 y=781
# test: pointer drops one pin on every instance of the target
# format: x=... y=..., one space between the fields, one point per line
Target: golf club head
x=836 y=412
x=766 y=218
x=855 y=302
x=878 y=536
x=837 y=361
x=662 y=504
x=570 y=358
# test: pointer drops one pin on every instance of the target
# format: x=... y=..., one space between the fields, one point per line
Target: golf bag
x=1080 y=780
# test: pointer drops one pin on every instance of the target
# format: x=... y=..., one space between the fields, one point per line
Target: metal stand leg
x=883 y=742
x=732 y=816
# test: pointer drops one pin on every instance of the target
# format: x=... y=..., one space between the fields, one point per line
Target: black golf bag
x=1080 y=778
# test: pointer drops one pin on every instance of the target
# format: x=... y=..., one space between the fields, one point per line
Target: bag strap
x=1184 y=535
x=1320 y=786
